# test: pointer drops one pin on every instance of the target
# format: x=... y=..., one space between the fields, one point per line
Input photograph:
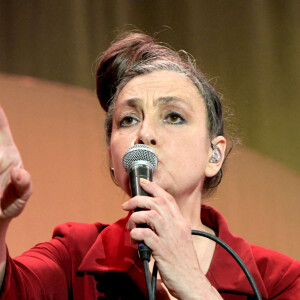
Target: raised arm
x=15 y=185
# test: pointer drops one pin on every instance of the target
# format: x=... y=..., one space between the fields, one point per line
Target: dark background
x=249 y=48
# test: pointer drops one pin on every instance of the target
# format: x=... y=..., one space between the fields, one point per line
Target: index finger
x=155 y=190
x=5 y=133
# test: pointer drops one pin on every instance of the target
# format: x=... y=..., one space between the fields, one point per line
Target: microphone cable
x=151 y=286
x=140 y=161
x=235 y=256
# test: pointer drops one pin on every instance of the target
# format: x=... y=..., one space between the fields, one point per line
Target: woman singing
x=156 y=97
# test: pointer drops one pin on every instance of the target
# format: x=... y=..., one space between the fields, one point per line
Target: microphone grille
x=139 y=153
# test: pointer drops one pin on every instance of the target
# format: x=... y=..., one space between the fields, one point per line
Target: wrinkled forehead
x=159 y=87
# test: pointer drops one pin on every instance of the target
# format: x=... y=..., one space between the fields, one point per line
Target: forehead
x=160 y=84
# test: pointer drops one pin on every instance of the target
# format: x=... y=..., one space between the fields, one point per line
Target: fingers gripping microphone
x=140 y=161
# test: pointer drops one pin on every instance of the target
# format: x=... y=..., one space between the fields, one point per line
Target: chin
x=162 y=181
x=157 y=178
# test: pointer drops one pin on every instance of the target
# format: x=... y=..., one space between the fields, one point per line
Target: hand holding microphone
x=140 y=161
x=170 y=237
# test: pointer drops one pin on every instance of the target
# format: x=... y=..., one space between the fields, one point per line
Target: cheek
x=190 y=154
x=193 y=145
x=117 y=152
x=120 y=173
x=118 y=148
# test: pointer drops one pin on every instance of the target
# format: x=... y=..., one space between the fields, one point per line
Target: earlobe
x=109 y=152
x=111 y=168
x=216 y=156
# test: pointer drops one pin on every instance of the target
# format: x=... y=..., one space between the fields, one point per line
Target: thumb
x=21 y=180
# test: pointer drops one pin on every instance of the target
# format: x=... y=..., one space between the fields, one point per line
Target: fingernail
x=143 y=180
x=18 y=174
x=124 y=204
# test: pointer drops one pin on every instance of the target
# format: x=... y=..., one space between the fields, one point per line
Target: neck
x=190 y=207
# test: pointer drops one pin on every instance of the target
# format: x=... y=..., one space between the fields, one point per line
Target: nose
x=152 y=142
x=147 y=133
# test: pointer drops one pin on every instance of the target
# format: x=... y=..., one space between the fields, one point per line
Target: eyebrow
x=172 y=99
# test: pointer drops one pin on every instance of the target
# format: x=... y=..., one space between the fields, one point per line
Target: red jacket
x=96 y=261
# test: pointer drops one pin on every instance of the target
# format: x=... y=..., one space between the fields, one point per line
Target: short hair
x=136 y=53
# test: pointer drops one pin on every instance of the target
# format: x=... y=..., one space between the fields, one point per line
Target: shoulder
x=277 y=275
x=278 y=271
x=76 y=228
x=74 y=235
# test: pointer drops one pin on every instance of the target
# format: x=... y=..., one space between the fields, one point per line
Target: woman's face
x=166 y=107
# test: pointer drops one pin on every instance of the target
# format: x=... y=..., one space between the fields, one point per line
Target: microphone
x=140 y=161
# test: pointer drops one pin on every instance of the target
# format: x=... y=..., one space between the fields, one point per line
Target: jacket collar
x=224 y=272
x=113 y=251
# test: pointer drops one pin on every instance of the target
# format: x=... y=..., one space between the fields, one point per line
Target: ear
x=111 y=168
x=109 y=155
x=212 y=168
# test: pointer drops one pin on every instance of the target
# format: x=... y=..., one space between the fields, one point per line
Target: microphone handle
x=137 y=172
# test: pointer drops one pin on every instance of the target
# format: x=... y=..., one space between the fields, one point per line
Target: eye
x=174 y=118
x=128 y=121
